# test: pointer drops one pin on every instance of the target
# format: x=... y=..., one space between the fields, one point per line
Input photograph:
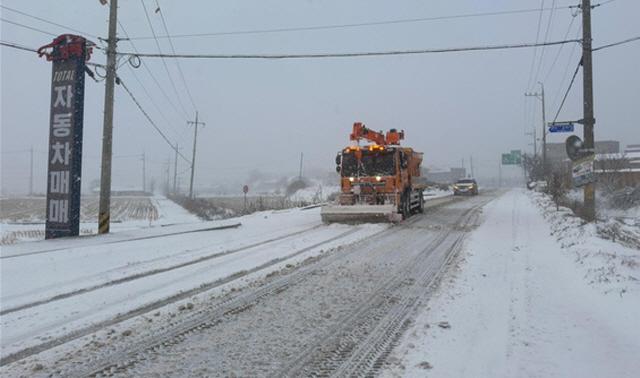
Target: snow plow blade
x=360 y=214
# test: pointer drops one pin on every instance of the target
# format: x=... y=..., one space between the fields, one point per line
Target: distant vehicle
x=465 y=186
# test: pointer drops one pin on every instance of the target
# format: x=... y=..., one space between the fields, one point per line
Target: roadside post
x=245 y=190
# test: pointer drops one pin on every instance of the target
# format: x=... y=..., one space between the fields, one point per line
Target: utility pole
x=167 y=176
x=499 y=174
x=193 y=156
x=107 y=128
x=144 y=172
x=175 y=172
x=471 y=166
x=300 y=171
x=589 y=120
x=544 y=132
x=31 y=173
x=535 y=145
x=540 y=96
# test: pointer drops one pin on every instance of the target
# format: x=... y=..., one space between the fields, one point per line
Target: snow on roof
x=634 y=155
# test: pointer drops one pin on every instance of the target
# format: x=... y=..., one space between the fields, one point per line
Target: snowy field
x=22 y=219
x=534 y=293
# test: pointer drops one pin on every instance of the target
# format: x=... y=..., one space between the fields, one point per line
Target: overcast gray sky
x=262 y=114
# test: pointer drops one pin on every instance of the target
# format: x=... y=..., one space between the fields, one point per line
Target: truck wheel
x=421 y=208
x=405 y=207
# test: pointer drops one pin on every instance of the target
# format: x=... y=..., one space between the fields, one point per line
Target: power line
x=617 y=43
x=151 y=121
x=17 y=46
x=153 y=77
x=546 y=36
x=567 y=92
x=144 y=88
x=566 y=72
x=184 y=82
x=533 y=60
x=351 y=54
x=28 y=27
x=593 y=5
x=555 y=60
x=535 y=51
x=146 y=91
x=164 y=63
x=344 y=55
x=47 y=21
x=351 y=25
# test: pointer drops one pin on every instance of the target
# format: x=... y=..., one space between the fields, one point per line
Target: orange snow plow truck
x=379 y=182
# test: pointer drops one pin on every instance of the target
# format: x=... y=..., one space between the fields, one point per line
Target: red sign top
x=245 y=189
x=67 y=46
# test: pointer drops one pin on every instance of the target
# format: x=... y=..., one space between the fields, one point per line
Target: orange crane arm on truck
x=360 y=131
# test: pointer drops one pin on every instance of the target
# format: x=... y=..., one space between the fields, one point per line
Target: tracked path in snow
x=336 y=315
x=152 y=306
x=361 y=344
x=152 y=272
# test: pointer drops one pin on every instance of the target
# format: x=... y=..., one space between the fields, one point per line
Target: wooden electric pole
x=544 y=132
x=144 y=172
x=107 y=129
x=540 y=96
x=300 y=171
x=193 y=156
x=31 y=172
x=175 y=172
x=588 y=119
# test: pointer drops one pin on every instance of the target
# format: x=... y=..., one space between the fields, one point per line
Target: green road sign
x=512 y=158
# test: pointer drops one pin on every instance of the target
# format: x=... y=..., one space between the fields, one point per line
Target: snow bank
x=431 y=193
x=516 y=304
x=314 y=193
x=608 y=265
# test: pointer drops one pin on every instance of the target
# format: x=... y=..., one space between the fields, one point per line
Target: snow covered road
x=81 y=306
x=474 y=287
x=521 y=305
x=54 y=291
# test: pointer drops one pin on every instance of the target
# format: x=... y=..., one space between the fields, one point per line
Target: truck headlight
x=351 y=179
x=378 y=178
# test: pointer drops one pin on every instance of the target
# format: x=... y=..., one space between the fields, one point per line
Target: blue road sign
x=561 y=128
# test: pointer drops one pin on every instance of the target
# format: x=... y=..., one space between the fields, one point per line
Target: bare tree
x=533 y=167
x=557 y=189
x=610 y=170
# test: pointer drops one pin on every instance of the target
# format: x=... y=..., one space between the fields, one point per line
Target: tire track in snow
x=362 y=341
x=30 y=351
x=129 y=355
x=150 y=272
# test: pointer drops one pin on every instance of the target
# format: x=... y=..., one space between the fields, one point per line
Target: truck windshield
x=373 y=163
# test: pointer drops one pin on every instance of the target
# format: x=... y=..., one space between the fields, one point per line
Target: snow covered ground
x=314 y=193
x=432 y=193
x=128 y=213
x=54 y=289
x=533 y=294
